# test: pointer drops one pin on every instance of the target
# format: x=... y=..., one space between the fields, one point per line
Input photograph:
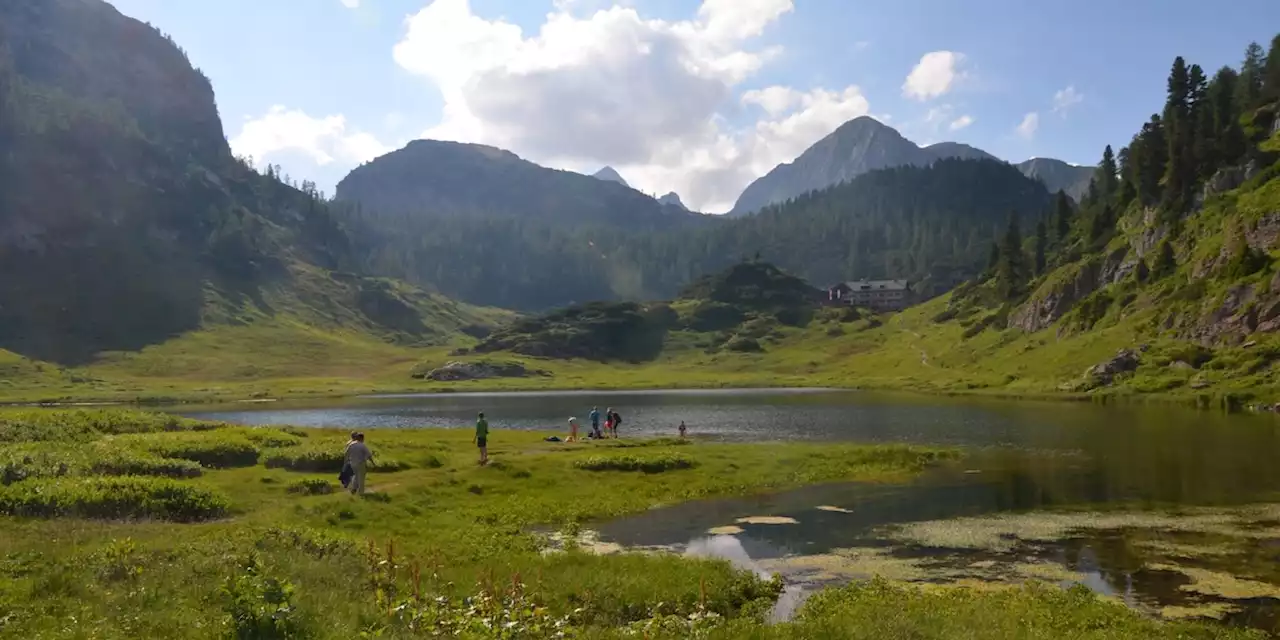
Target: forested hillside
x=124 y=217
x=1174 y=245
x=921 y=222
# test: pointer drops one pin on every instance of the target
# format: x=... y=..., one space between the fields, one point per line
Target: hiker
x=482 y=438
x=357 y=456
x=573 y=429
x=608 y=422
x=682 y=429
x=595 y=422
x=617 y=421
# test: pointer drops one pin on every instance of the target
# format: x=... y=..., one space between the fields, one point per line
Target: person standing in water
x=682 y=429
x=595 y=421
x=617 y=421
x=608 y=422
x=482 y=438
x=358 y=456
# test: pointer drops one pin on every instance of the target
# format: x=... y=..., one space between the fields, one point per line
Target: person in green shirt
x=482 y=438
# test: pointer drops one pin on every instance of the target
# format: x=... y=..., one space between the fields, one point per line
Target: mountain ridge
x=859 y=146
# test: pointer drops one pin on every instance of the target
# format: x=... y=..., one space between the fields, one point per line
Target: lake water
x=996 y=517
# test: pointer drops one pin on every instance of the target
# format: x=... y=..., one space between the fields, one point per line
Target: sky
x=699 y=97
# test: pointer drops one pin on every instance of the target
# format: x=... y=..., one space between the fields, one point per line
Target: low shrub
x=743 y=345
x=216 y=450
x=20 y=463
x=80 y=425
x=323 y=460
x=272 y=438
x=112 y=498
x=311 y=487
x=647 y=464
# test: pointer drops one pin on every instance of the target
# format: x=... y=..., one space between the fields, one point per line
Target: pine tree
x=1011 y=273
x=993 y=258
x=1165 y=263
x=1101 y=224
x=1062 y=216
x=1104 y=177
x=1271 y=72
x=1041 y=246
x=1249 y=86
x=1200 y=114
x=1180 y=171
x=1127 y=190
x=1149 y=155
x=1229 y=137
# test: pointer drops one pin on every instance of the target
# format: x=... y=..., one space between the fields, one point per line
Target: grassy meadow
x=126 y=524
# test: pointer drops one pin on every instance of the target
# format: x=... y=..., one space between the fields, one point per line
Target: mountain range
x=865 y=144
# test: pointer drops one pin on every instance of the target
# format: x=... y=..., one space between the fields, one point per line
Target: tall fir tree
x=1062 y=216
x=1127 y=190
x=1101 y=224
x=1249 y=86
x=1041 y=246
x=1012 y=271
x=1180 y=170
x=1200 y=114
x=1229 y=137
x=1105 y=177
x=1149 y=155
x=1271 y=72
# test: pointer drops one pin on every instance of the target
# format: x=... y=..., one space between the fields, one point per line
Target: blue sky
x=686 y=95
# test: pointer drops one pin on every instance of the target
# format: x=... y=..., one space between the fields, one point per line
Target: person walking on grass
x=595 y=421
x=357 y=456
x=573 y=429
x=482 y=438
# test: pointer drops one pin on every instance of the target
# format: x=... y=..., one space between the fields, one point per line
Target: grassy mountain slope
x=126 y=224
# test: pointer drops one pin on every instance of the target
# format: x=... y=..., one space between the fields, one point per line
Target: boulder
x=479 y=370
x=1104 y=373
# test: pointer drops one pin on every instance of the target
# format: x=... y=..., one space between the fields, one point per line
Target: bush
x=79 y=425
x=743 y=345
x=323 y=460
x=647 y=464
x=53 y=461
x=311 y=487
x=112 y=498
x=272 y=438
x=260 y=606
x=218 y=450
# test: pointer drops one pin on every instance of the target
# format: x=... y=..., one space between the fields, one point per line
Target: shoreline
x=1225 y=401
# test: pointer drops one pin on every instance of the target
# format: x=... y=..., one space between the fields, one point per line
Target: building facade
x=880 y=295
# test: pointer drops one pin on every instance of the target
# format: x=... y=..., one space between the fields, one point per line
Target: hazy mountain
x=672 y=199
x=450 y=179
x=1058 y=175
x=124 y=217
x=857 y=147
x=610 y=175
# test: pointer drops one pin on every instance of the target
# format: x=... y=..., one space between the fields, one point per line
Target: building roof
x=875 y=285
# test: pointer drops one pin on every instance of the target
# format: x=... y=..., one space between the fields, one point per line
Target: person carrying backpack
x=617 y=420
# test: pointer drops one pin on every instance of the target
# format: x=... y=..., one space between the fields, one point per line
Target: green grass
x=445 y=543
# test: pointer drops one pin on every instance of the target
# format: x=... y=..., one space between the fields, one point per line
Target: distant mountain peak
x=865 y=144
x=611 y=175
x=673 y=198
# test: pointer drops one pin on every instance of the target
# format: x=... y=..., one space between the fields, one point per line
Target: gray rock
x=455 y=371
x=1104 y=373
x=1181 y=365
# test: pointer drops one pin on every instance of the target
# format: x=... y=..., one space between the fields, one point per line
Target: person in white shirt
x=358 y=456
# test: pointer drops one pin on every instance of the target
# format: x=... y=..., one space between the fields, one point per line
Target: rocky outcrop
x=1104 y=373
x=1045 y=308
x=1265 y=234
x=480 y=370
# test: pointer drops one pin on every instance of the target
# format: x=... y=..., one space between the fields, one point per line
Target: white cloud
x=960 y=123
x=324 y=140
x=774 y=100
x=1066 y=99
x=1027 y=128
x=350 y=4
x=644 y=95
x=934 y=76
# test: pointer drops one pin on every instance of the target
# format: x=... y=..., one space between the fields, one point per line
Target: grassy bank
x=219 y=530
x=907 y=352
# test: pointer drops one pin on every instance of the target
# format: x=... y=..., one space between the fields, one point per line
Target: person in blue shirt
x=595 y=421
